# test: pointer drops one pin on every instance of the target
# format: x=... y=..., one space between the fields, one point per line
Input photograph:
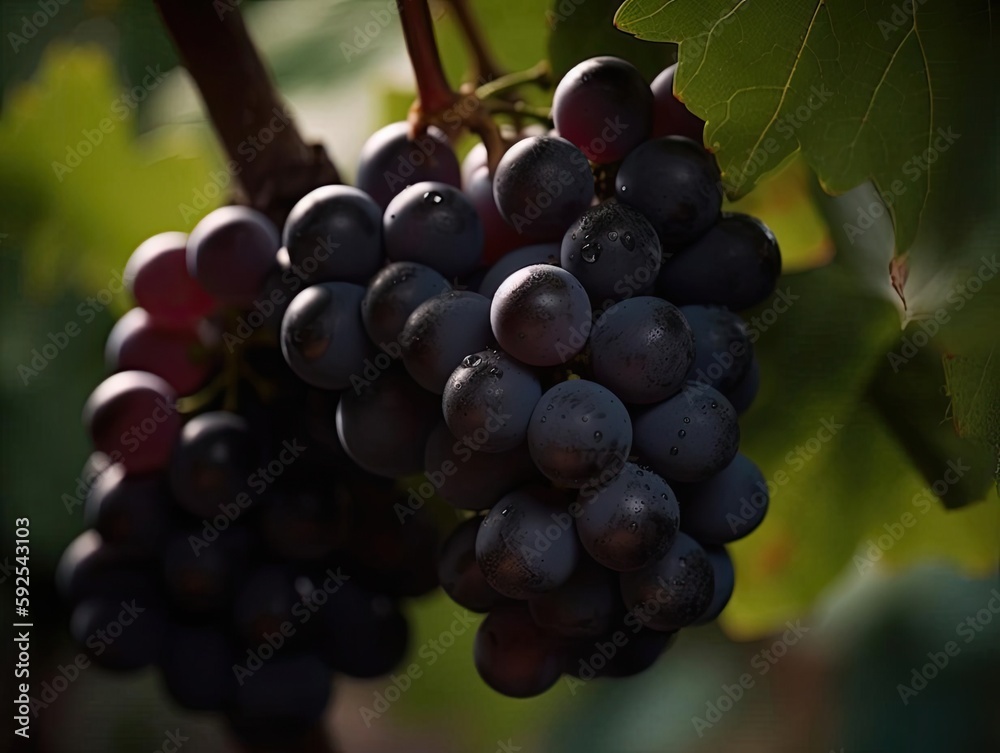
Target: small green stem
x=538 y=74
x=543 y=114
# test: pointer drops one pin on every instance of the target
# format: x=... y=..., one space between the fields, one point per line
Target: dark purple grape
x=390 y=161
x=541 y=185
x=723 y=353
x=580 y=434
x=131 y=512
x=735 y=264
x=630 y=521
x=468 y=478
x=675 y=183
x=490 y=398
x=201 y=569
x=459 y=571
x=641 y=349
x=436 y=225
x=334 y=233
x=584 y=606
x=213 y=462
x=302 y=523
x=604 y=107
x=395 y=293
x=323 y=337
x=158 y=277
x=725 y=582
x=498 y=236
x=197 y=666
x=90 y=568
x=542 y=253
x=526 y=544
x=231 y=252
x=640 y=653
x=362 y=634
x=726 y=507
x=384 y=426
x=474 y=159
x=690 y=437
x=674 y=591
x=541 y=315
x=670 y=116
x=513 y=655
x=266 y=601
x=120 y=634
x=179 y=356
x=132 y=418
x=441 y=332
x=613 y=251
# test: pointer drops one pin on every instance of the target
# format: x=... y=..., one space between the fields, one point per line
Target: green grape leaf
x=862 y=89
x=581 y=29
x=839 y=469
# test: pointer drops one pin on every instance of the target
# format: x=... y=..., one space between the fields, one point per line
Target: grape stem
x=538 y=74
x=438 y=104
x=244 y=107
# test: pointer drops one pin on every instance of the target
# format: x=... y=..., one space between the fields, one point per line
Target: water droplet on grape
x=548 y=407
x=591 y=252
x=543 y=419
x=433 y=197
x=628 y=241
x=674 y=450
x=471 y=361
x=687 y=420
x=585 y=419
x=598 y=436
x=494 y=371
x=715 y=404
x=682 y=433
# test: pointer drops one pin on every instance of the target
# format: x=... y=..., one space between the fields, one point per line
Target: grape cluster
x=596 y=436
x=231 y=541
x=551 y=348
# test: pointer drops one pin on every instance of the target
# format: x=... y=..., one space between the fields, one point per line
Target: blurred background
x=852 y=629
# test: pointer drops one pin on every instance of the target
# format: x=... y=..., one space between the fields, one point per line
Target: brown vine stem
x=244 y=107
x=435 y=93
x=438 y=103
